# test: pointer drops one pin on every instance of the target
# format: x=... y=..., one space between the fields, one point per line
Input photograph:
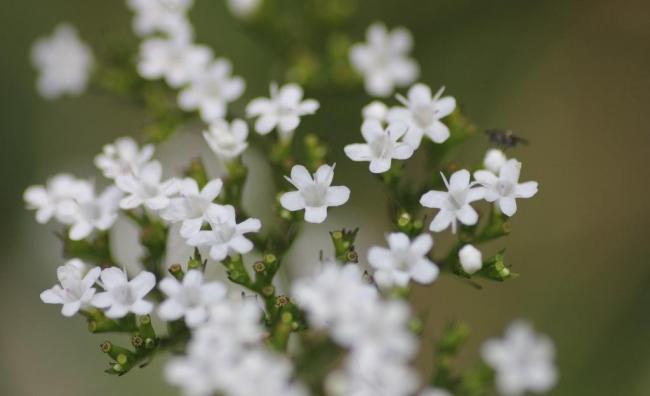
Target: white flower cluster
x=226 y=356
x=373 y=330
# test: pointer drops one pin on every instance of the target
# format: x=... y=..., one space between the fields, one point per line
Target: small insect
x=504 y=138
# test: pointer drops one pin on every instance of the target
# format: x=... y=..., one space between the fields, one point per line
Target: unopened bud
x=105 y=346
x=259 y=266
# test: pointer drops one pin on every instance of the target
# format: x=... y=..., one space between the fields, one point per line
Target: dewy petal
x=372 y=130
x=143 y=283
x=526 y=190
x=443 y=219
x=422 y=244
x=459 y=180
x=315 y=215
x=438 y=132
x=337 y=195
x=434 y=199
x=467 y=215
x=292 y=201
x=424 y=271
x=300 y=177
x=398 y=241
x=380 y=165
x=358 y=152
x=508 y=205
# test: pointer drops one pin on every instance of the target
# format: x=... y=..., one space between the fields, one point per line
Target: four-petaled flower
x=191 y=298
x=192 y=206
x=381 y=147
x=176 y=60
x=403 y=260
x=227 y=141
x=121 y=295
x=225 y=235
x=91 y=212
x=56 y=198
x=315 y=194
x=454 y=204
x=146 y=188
x=505 y=188
x=123 y=157
x=282 y=110
x=76 y=287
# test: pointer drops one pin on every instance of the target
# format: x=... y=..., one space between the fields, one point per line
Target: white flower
x=282 y=110
x=123 y=157
x=403 y=261
x=381 y=145
x=494 y=160
x=146 y=188
x=372 y=378
x=383 y=60
x=227 y=141
x=505 y=188
x=226 y=236
x=453 y=204
x=470 y=259
x=375 y=110
x=244 y=8
x=190 y=298
x=423 y=112
x=94 y=213
x=161 y=16
x=435 y=392
x=76 y=287
x=122 y=296
x=523 y=360
x=176 y=60
x=64 y=63
x=314 y=195
x=211 y=90
x=192 y=206
x=56 y=198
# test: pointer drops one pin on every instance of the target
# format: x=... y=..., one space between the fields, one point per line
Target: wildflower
x=244 y=8
x=176 y=60
x=76 y=287
x=161 y=16
x=505 y=188
x=315 y=194
x=523 y=360
x=190 y=298
x=381 y=147
x=191 y=207
x=494 y=160
x=122 y=295
x=227 y=141
x=64 y=63
x=375 y=110
x=423 y=112
x=454 y=204
x=226 y=235
x=470 y=259
x=94 y=213
x=123 y=157
x=282 y=110
x=211 y=90
x=146 y=188
x=403 y=260
x=435 y=392
x=56 y=198
x=383 y=60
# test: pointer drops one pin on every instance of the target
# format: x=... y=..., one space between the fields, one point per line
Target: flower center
x=457 y=199
x=315 y=194
x=423 y=115
x=381 y=147
x=505 y=188
x=123 y=295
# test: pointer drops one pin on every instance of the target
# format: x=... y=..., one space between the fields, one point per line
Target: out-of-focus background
x=571 y=76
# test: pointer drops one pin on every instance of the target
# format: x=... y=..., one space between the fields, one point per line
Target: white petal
x=170 y=286
x=241 y=244
x=170 y=309
x=51 y=297
x=290 y=94
x=212 y=189
x=485 y=177
x=324 y=175
x=475 y=194
x=467 y=215
x=459 y=180
x=315 y=215
x=102 y=300
x=117 y=311
x=337 y=195
x=259 y=106
x=130 y=202
x=434 y=199
x=397 y=129
x=424 y=271
x=195 y=316
x=445 y=106
x=70 y=308
x=142 y=283
x=113 y=277
x=438 y=132
x=266 y=123
x=292 y=201
x=526 y=190
x=249 y=225
x=380 y=165
x=289 y=123
x=218 y=252
x=443 y=219
x=510 y=170
x=422 y=244
x=212 y=292
x=142 y=307
x=309 y=106
x=191 y=227
x=157 y=203
x=80 y=230
x=508 y=205
x=380 y=257
x=398 y=241
x=300 y=177
x=419 y=93
x=372 y=130
x=402 y=151
x=358 y=152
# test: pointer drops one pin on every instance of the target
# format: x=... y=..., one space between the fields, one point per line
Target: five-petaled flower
x=146 y=188
x=76 y=287
x=315 y=194
x=505 y=188
x=227 y=141
x=382 y=145
x=192 y=206
x=176 y=60
x=121 y=295
x=123 y=157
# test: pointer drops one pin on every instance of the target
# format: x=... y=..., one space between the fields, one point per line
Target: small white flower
x=146 y=188
x=211 y=90
x=192 y=206
x=227 y=141
x=190 y=298
x=123 y=157
x=56 y=198
x=176 y=60
x=76 y=287
x=423 y=112
x=315 y=194
x=403 y=261
x=381 y=147
x=523 y=360
x=435 y=392
x=244 y=8
x=505 y=188
x=161 y=16
x=470 y=258
x=282 y=110
x=375 y=110
x=64 y=63
x=225 y=236
x=94 y=213
x=383 y=60
x=122 y=295
x=494 y=160
x=454 y=204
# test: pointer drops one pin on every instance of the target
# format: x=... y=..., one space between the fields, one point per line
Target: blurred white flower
x=381 y=147
x=471 y=259
x=189 y=298
x=423 y=112
x=123 y=157
x=244 y=8
x=146 y=188
x=92 y=212
x=454 y=204
x=226 y=235
x=375 y=110
x=57 y=198
x=122 y=295
x=75 y=290
x=282 y=110
x=523 y=360
x=315 y=194
x=227 y=141
x=403 y=261
x=63 y=61
x=383 y=60
x=494 y=160
x=372 y=378
x=211 y=90
x=161 y=16
x=176 y=60
x=435 y=392
x=191 y=207
x=505 y=188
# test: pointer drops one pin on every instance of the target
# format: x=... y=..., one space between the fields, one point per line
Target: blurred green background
x=571 y=76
